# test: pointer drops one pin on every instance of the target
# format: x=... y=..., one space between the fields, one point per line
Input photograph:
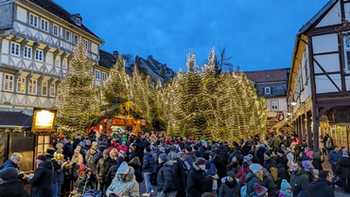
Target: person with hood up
x=10 y=185
x=286 y=189
x=198 y=182
x=168 y=177
x=229 y=186
x=124 y=183
x=42 y=179
x=254 y=180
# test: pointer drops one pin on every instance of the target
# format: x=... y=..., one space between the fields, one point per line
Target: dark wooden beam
x=327 y=75
x=342 y=60
x=315 y=115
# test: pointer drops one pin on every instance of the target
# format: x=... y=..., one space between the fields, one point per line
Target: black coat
x=319 y=188
x=42 y=180
x=198 y=183
x=167 y=177
x=13 y=188
x=343 y=171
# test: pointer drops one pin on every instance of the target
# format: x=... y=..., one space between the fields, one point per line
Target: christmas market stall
x=19 y=132
x=119 y=124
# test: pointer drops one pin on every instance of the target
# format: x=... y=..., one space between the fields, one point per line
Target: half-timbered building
x=319 y=83
x=37 y=38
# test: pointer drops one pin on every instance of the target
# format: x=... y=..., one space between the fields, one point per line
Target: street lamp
x=43 y=120
x=293 y=103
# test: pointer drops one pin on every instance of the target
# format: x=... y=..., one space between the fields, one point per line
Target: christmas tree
x=77 y=97
x=212 y=105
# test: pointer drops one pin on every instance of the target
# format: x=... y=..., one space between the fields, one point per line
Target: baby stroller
x=85 y=186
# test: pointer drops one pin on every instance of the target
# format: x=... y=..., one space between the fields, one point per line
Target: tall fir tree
x=77 y=97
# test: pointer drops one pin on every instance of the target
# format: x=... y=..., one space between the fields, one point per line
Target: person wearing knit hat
x=10 y=185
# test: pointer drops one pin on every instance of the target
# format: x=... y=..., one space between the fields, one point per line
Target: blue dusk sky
x=257 y=34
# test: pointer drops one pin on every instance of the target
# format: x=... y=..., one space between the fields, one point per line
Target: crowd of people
x=123 y=165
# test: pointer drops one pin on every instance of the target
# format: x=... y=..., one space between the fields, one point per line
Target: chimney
x=77 y=19
x=115 y=54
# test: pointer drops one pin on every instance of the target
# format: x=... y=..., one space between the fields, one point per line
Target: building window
x=52 y=89
x=33 y=20
x=67 y=35
x=39 y=55
x=55 y=30
x=9 y=82
x=347 y=52
x=75 y=38
x=44 y=25
x=21 y=85
x=267 y=90
x=44 y=88
x=15 y=49
x=104 y=76
x=86 y=44
x=274 y=105
x=32 y=86
x=27 y=52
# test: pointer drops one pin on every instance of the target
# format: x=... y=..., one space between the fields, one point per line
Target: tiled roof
x=268 y=75
x=57 y=10
x=106 y=59
x=15 y=119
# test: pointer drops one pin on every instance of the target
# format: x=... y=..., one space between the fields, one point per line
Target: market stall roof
x=10 y=119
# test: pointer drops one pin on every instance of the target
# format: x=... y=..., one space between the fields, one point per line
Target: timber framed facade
x=319 y=82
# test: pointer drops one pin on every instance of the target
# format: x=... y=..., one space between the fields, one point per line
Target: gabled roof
x=273 y=75
x=306 y=27
x=15 y=119
x=106 y=59
x=57 y=10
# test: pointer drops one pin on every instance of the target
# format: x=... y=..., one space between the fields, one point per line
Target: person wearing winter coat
x=149 y=164
x=343 y=171
x=299 y=179
x=42 y=179
x=320 y=187
x=13 y=162
x=167 y=177
x=229 y=187
x=197 y=181
x=10 y=185
x=136 y=164
x=101 y=170
x=285 y=189
x=124 y=183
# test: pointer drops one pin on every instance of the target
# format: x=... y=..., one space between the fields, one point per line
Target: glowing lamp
x=43 y=120
x=293 y=103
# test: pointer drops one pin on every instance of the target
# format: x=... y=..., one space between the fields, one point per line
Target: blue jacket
x=9 y=164
x=149 y=163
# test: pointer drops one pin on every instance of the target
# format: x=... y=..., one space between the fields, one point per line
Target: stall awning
x=19 y=120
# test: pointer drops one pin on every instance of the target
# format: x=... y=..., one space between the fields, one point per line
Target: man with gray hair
x=13 y=162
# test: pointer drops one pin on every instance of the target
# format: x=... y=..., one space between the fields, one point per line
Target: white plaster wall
x=347 y=11
x=94 y=48
x=49 y=58
x=21 y=14
x=330 y=63
x=333 y=17
x=1 y=78
x=324 y=85
x=325 y=43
